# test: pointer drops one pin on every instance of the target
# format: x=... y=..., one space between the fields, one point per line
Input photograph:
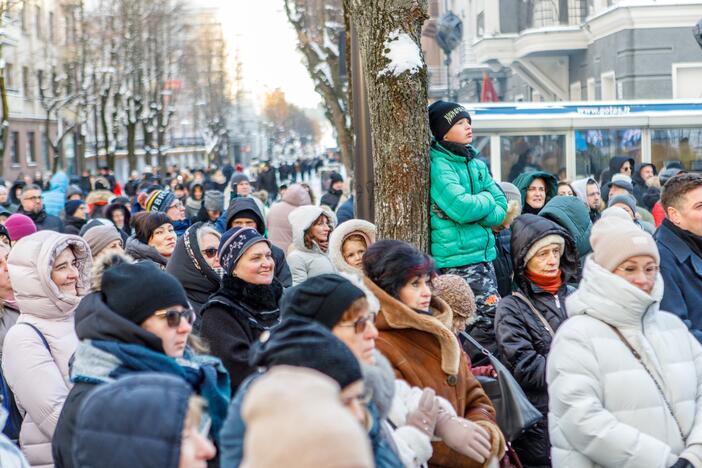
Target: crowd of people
x=225 y=318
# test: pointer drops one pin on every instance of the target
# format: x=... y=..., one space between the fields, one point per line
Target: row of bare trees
x=123 y=75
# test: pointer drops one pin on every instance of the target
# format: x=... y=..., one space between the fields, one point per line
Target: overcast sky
x=266 y=43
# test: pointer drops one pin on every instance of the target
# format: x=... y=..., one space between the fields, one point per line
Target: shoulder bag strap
x=475 y=343
x=538 y=314
x=650 y=374
x=41 y=335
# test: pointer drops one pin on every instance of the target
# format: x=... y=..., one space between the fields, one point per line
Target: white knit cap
x=614 y=240
x=543 y=242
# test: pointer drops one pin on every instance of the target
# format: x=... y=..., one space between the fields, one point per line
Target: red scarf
x=550 y=284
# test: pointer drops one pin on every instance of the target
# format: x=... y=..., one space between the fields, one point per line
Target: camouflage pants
x=483 y=282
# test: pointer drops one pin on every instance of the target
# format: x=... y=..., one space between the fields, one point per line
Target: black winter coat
x=44 y=221
x=503 y=262
x=73 y=225
x=235 y=317
x=331 y=198
x=94 y=321
x=523 y=342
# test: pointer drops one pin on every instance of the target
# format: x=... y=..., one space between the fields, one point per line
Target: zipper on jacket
x=558 y=302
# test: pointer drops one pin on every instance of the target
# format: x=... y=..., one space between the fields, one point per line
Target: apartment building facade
x=572 y=50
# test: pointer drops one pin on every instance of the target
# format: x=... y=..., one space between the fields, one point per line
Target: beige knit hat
x=99 y=237
x=614 y=240
x=543 y=242
x=300 y=410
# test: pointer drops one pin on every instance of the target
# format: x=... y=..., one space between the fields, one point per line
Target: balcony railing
x=546 y=13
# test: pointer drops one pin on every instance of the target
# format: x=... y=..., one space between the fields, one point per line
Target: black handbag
x=515 y=413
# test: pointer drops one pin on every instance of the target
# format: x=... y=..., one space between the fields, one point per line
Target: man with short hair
x=679 y=240
x=32 y=206
x=5 y=201
x=588 y=190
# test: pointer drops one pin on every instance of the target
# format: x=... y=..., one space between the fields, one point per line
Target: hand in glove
x=465 y=437
x=682 y=463
x=423 y=417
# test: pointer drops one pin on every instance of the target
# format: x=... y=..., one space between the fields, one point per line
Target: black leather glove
x=682 y=463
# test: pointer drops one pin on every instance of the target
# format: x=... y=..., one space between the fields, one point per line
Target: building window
x=686 y=80
x=481 y=143
x=23 y=16
x=595 y=147
x=677 y=144
x=525 y=153
x=609 y=86
x=25 y=82
x=14 y=148
x=40 y=80
x=591 y=90
x=37 y=20
x=9 y=76
x=576 y=91
x=51 y=26
x=480 y=25
x=31 y=148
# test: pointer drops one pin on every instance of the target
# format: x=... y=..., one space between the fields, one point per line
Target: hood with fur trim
x=302 y=218
x=104 y=263
x=340 y=234
x=396 y=315
x=296 y=195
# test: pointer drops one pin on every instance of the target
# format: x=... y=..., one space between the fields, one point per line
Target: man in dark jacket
x=617 y=165
x=336 y=190
x=32 y=206
x=243 y=212
x=545 y=260
x=679 y=240
x=643 y=172
x=267 y=181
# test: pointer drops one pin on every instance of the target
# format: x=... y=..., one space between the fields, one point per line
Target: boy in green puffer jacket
x=465 y=204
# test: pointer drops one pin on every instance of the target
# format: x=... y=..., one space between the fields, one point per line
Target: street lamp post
x=449 y=35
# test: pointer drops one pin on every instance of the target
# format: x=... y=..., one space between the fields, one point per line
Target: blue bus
x=577 y=139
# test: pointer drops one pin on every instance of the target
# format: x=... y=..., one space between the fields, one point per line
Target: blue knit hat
x=234 y=243
x=72 y=206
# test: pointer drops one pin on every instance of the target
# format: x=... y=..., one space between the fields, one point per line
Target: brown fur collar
x=395 y=315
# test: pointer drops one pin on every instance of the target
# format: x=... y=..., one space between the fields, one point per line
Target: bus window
x=526 y=153
x=481 y=143
x=594 y=149
x=677 y=144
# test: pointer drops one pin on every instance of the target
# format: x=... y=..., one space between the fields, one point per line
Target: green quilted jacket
x=465 y=203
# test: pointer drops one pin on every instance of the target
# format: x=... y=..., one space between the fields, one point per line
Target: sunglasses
x=210 y=253
x=359 y=326
x=173 y=316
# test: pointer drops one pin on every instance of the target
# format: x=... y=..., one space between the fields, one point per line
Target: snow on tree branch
x=403 y=55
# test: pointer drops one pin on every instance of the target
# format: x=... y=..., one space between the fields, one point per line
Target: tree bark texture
x=399 y=122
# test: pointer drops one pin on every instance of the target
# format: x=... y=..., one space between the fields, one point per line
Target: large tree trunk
x=398 y=115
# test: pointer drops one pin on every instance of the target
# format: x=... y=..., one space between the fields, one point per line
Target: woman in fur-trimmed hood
x=349 y=242
x=414 y=323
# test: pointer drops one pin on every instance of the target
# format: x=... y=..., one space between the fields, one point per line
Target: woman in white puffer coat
x=624 y=378
x=50 y=272
x=308 y=254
